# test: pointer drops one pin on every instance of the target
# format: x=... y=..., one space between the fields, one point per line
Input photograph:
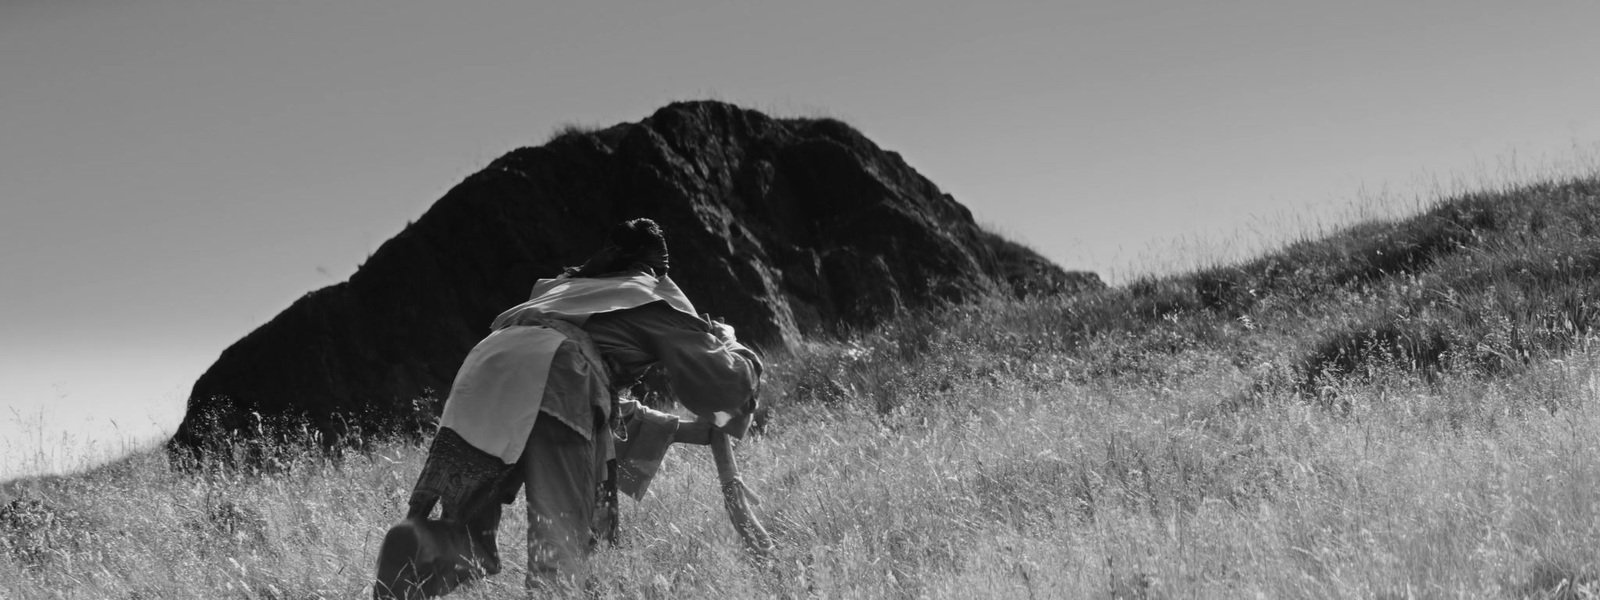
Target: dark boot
x=425 y=559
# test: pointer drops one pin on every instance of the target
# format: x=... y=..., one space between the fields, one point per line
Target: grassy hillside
x=1402 y=409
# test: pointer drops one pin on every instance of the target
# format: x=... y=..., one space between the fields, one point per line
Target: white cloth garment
x=574 y=300
x=497 y=393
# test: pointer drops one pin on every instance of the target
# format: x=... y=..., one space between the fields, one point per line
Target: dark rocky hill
x=786 y=227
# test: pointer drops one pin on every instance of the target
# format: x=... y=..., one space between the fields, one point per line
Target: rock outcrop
x=785 y=227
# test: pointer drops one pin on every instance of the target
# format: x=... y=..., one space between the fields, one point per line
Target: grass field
x=1402 y=409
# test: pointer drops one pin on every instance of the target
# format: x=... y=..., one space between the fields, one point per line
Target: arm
x=737 y=498
x=712 y=374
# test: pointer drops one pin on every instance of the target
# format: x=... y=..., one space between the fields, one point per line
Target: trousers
x=561 y=472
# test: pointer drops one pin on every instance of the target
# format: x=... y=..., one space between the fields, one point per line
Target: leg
x=424 y=557
x=559 y=465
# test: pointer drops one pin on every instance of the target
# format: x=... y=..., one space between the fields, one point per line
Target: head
x=633 y=244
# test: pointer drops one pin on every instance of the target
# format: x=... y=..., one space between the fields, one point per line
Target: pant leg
x=469 y=486
x=559 y=465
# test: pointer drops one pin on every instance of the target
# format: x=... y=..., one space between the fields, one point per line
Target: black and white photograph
x=1114 y=299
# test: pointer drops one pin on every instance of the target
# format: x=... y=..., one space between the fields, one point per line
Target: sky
x=175 y=172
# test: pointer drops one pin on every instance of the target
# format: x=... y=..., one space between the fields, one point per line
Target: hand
x=722 y=330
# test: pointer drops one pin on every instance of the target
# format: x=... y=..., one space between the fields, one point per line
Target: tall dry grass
x=1235 y=432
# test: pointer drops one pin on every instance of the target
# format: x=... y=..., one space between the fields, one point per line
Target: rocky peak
x=785 y=227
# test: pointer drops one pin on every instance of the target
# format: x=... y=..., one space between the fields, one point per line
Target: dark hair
x=638 y=237
x=629 y=242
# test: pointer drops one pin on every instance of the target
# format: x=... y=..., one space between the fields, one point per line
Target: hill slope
x=1487 y=287
x=1486 y=284
x=1181 y=437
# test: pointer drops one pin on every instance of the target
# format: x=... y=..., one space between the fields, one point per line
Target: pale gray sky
x=175 y=172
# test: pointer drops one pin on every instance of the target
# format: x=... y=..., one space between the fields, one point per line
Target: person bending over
x=533 y=406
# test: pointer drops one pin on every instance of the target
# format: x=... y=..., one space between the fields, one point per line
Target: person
x=533 y=406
